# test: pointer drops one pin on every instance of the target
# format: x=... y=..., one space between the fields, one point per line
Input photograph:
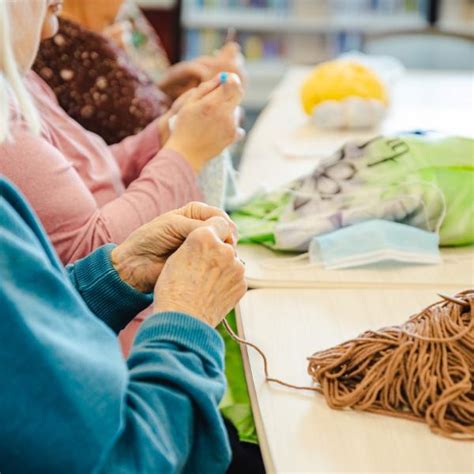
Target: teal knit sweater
x=68 y=400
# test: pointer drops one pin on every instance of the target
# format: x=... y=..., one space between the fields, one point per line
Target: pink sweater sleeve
x=134 y=152
x=73 y=220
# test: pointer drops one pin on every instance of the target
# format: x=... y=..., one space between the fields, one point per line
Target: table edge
x=262 y=438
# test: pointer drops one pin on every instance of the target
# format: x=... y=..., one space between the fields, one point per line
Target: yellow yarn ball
x=338 y=80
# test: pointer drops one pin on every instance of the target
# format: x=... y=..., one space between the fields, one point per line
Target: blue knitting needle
x=223 y=76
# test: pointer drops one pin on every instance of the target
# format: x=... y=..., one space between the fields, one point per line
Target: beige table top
x=284 y=145
x=298 y=432
x=267 y=269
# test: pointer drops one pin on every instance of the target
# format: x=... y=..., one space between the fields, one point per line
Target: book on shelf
x=255 y=46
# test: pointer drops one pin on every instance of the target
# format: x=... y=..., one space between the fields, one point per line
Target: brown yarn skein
x=422 y=370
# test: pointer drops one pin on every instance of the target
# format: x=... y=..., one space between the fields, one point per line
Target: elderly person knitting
x=71 y=403
x=99 y=194
x=86 y=193
x=122 y=21
x=110 y=73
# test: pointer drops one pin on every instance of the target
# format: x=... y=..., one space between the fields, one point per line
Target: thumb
x=229 y=94
x=193 y=69
x=222 y=229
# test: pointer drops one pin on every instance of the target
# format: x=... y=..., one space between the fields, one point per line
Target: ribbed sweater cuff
x=184 y=330
x=106 y=294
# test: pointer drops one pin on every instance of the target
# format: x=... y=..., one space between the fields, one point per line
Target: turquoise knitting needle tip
x=223 y=76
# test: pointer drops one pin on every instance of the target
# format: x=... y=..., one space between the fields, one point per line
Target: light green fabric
x=404 y=179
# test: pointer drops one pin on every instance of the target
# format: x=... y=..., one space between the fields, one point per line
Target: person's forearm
x=69 y=402
x=134 y=152
x=166 y=183
x=172 y=421
x=104 y=292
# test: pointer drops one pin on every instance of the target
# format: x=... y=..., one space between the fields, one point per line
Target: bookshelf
x=277 y=33
x=263 y=21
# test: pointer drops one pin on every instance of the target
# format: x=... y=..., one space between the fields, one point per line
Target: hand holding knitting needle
x=141 y=258
x=186 y=75
x=203 y=278
x=206 y=124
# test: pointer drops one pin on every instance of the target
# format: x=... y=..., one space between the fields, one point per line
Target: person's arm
x=74 y=221
x=105 y=293
x=135 y=151
x=176 y=383
x=69 y=402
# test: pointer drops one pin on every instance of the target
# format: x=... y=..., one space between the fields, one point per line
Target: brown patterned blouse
x=97 y=84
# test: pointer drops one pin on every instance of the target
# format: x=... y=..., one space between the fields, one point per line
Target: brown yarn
x=422 y=370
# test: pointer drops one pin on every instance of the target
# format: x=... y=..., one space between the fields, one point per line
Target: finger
x=221 y=228
x=239 y=134
x=183 y=99
x=205 y=88
x=203 y=212
x=230 y=93
x=194 y=70
x=182 y=226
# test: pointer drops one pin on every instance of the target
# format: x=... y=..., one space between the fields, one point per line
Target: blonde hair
x=12 y=87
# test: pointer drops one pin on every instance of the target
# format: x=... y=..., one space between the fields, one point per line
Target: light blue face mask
x=374 y=241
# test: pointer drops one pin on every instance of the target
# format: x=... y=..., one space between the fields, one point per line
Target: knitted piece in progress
x=422 y=370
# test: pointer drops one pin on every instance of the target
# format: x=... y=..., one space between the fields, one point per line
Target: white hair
x=12 y=88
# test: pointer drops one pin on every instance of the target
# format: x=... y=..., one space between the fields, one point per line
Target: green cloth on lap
x=235 y=405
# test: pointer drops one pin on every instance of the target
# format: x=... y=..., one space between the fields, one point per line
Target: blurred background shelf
x=263 y=21
x=275 y=34
x=263 y=77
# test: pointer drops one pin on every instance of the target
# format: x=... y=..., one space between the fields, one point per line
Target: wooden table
x=267 y=269
x=284 y=145
x=298 y=432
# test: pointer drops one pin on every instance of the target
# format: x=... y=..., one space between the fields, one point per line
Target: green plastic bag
x=422 y=180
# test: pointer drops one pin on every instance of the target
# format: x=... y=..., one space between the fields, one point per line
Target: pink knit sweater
x=85 y=192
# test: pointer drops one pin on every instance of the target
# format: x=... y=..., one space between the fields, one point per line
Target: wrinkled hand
x=182 y=76
x=164 y=130
x=140 y=259
x=203 y=278
x=185 y=75
x=206 y=123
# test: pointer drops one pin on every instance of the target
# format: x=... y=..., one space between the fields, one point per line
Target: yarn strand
x=421 y=370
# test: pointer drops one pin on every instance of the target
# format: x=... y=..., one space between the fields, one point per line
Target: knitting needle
x=231 y=35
